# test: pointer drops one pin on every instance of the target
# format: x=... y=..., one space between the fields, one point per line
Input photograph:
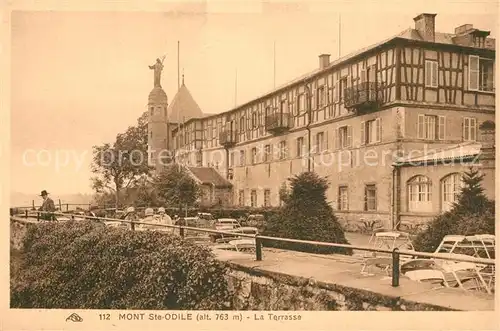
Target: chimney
x=463 y=29
x=425 y=25
x=324 y=61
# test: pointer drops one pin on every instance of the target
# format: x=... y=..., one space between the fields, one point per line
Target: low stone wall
x=264 y=290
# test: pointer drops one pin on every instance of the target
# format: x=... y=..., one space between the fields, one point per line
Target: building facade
x=420 y=91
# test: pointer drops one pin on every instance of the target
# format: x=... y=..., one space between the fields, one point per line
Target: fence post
x=33 y=204
x=395 y=267
x=60 y=205
x=181 y=230
x=38 y=217
x=258 y=248
x=26 y=213
x=67 y=207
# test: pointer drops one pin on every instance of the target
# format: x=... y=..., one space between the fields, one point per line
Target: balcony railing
x=228 y=138
x=279 y=122
x=363 y=95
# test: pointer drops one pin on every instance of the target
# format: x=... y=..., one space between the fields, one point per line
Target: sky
x=80 y=77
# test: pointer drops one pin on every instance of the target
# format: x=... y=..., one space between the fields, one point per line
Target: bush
x=472 y=214
x=84 y=265
x=306 y=215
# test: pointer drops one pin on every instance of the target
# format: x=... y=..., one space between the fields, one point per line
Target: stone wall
x=264 y=290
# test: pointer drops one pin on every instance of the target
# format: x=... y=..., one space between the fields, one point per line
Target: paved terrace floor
x=345 y=271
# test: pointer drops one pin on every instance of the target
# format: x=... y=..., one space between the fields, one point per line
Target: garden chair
x=428 y=276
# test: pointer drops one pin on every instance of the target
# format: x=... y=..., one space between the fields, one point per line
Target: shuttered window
x=431 y=74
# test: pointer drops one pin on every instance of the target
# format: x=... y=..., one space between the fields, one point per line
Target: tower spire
x=182 y=76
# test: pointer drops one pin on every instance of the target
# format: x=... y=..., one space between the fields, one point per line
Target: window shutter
x=349 y=136
x=420 y=126
x=441 y=128
x=363 y=74
x=434 y=81
x=378 y=127
x=336 y=138
x=363 y=137
x=337 y=91
x=473 y=129
x=366 y=200
x=473 y=72
x=465 y=129
x=428 y=73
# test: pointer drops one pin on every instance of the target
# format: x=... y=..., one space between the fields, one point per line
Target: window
x=419 y=194
x=431 y=127
x=320 y=97
x=343 y=198
x=242 y=124
x=481 y=74
x=301 y=103
x=469 y=129
x=342 y=87
x=283 y=107
x=431 y=74
x=320 y=142
x=231 y=160
x=199 y=159
x=267 y=153
x=370 y=197
x=344 y=135
x=253 y=198
x=150 y=134
x=371 y=131
x=450 y=190
x=254 y=156
x=254 y=120
x=267 y=198
x=241 y=197
x=282 y=150
x=300 y=147
x=242 y=158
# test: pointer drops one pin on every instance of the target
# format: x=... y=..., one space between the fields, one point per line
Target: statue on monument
x=157 y=67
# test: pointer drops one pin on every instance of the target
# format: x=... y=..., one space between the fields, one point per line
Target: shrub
x=472 y=214
x=84 y=265
x=306 y=215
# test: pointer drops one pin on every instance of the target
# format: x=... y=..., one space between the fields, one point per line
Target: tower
x=158 y=139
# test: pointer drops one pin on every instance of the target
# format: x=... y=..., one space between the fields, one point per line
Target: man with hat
x=48 y=207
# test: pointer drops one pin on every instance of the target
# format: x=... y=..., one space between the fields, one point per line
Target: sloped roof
x=183 y=107
x=451 y=153
x=209 y=176
x=410 y=34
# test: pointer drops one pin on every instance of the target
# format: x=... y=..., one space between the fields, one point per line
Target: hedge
x=86 y=265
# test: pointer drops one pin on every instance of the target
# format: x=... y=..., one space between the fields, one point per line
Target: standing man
x=48 y=207
x=165 y=219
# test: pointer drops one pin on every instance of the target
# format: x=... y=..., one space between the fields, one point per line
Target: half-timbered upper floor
x=419 y=66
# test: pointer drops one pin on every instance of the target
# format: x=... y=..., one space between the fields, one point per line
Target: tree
x=144 y=192
x=117 y=165
x=307 y=215
x=175 y=187
x=284 y=193
x=473 y=213
x=471 y=198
